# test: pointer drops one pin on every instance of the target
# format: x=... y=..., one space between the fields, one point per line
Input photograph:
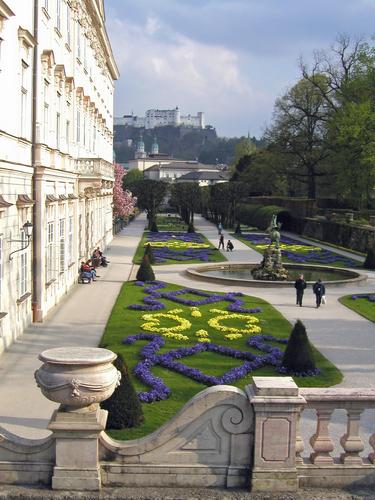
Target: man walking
x=300 y=285
x=221 y=242
x=320 y=290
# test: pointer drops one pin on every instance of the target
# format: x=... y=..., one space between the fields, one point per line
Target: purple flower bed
x=160 y=391
x=151 y=302
x=371 y=298
x=321 y=256
x=164 y=254
x=171 y=235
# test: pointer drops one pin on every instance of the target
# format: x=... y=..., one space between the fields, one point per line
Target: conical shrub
x=124 y=408
x=298 y=357
x=370 y=259
x=145 y=272
x=238 y=229
x=150 y=253
x=154 y=227
x=191 y=228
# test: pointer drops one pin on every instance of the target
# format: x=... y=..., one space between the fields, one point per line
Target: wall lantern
x=28 y=229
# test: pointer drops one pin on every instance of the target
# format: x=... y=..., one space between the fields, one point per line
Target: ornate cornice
x=26 y=38
x=5 y=13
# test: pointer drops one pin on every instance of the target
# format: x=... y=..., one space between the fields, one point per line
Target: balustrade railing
x=94 y=167
x=325 y=402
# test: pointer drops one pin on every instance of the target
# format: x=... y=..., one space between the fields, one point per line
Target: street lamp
x=28 y=230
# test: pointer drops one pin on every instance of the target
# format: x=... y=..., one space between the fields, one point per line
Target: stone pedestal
x=77 y=459
x=277 y=406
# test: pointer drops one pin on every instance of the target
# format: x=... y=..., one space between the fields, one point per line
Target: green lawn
x=362 y=306
x=124 y=322
x=171 y=223
x=216 y=256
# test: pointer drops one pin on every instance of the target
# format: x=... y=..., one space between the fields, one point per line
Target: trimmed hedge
x=145 y=272
x=298 y=356
x=370 y=259
x=260 y=216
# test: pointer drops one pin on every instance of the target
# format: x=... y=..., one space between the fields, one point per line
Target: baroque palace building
x=57 y=75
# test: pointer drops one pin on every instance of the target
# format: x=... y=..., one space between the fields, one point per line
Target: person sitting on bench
x=87 y=271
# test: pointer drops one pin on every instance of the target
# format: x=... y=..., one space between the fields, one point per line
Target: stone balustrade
x=94 y=167
x=222 y=437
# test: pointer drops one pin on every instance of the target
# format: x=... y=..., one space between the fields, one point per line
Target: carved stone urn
x=77 y=377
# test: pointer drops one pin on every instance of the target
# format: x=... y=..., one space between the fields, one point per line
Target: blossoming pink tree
x=123 y=201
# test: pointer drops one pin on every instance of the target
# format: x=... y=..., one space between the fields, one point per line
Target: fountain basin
x=239 y=274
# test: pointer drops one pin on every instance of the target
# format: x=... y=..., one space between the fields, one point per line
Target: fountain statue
x=271 y=267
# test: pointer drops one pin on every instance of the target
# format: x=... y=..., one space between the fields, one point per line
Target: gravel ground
x=23 y=493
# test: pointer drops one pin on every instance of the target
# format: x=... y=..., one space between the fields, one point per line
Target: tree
x=150 y=195
x=124 y=408
x=123 y=201
x=261 y=172
x=186 y=198
x=244 y=148
x=298 y=133
x=131 y=178
x=224 y=198
x=298 y=357
x=349 y=78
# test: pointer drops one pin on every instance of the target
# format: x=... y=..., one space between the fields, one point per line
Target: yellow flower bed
x=292 y=248
x=251 y=323
x=153 y=324
x=178 y=245
x=195 y=312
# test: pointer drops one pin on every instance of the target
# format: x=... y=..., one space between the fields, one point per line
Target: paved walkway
x=78 y=321
x=344 y=337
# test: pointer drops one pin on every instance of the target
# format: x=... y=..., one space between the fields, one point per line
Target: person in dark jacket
x=300 y=285
x=221 y=242
x=319 y=289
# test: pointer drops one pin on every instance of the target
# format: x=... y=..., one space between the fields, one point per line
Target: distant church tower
x=155 y=147
x=140 y=151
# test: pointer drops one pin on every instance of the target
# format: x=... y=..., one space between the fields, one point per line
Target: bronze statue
x=274 y=231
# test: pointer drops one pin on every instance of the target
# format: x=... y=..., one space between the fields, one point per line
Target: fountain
x=271 y=268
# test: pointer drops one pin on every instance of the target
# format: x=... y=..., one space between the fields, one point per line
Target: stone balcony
x=94 y=168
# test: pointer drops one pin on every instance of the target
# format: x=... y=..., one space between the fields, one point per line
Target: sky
x=228 y=58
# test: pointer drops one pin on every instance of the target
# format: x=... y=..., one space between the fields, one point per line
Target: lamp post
x=28 y=229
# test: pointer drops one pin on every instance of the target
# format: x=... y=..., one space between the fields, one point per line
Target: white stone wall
x=161 y=118
x=71 y=179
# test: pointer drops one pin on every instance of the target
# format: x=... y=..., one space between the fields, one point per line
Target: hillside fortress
x=161 y=118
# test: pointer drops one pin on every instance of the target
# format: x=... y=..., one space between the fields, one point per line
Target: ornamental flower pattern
x=370 y=297
x=267 y=347
x=179 y=246
x=271 y=356
x=304 y=253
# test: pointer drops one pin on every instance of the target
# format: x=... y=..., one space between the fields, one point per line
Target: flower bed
x=177 y=341
x=176 y=246
x=294 y=251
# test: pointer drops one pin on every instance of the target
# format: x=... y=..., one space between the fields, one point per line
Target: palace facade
x=57 y=75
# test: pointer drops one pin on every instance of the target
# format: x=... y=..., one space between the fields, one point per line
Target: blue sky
x=228 y=58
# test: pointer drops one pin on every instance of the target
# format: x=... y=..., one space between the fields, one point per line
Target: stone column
x=277 y=406
x=78 y=378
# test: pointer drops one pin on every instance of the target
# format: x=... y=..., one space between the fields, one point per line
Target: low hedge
x=260 y=216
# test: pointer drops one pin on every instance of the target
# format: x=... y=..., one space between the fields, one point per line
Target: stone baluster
x=277 y=405
x=299 y=443
x=351 y=440
x=321 y=442
x=371 y=456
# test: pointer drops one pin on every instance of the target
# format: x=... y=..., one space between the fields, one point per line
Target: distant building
x=162 y=118
x=190 y=171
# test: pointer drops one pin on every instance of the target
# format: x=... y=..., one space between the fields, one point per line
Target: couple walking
x=319 y=290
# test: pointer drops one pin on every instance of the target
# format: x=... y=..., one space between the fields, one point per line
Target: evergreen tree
x=370 y=259
x=145 y=272
x=191 y=228
x=124 y=408
x=154 y=227
x=150 y=253
x=298 y=355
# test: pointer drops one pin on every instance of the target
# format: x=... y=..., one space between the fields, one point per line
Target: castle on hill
x=161 y=118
